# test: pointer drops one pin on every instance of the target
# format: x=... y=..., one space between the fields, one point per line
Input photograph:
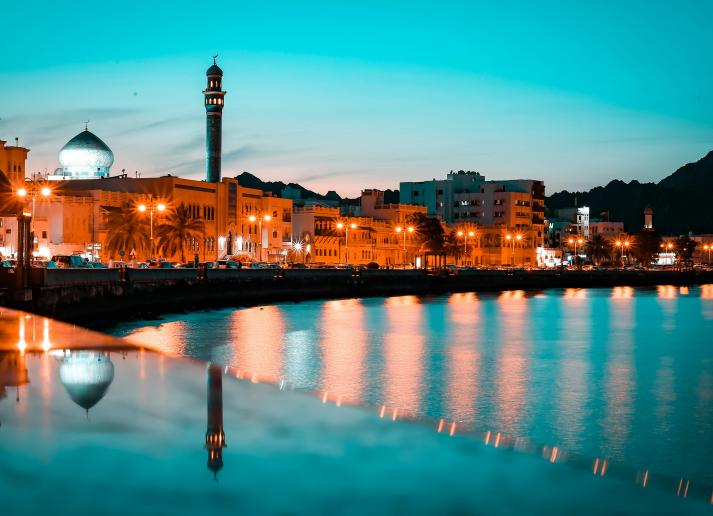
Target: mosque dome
x=86 y=150
x=86 y=375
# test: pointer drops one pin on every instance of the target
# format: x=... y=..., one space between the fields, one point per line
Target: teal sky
x=350 y=95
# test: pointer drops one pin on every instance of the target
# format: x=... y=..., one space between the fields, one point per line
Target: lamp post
x=622 y=244
x=266 y=218
x=33 y=192
x=409 y=229
x=709 y=248
x=575 y=242
x=512 y=238
x=346 y=228
x=153 y=206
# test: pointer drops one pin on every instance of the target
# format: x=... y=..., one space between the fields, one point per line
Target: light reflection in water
x=512 y=368
x=573 y=386
x=256 y=341
x=619 y=377
x=462 y=357
x=593 y=380
x=404 y=346
x=343 y=348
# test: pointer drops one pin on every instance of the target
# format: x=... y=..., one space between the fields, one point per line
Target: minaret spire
x=214 y=98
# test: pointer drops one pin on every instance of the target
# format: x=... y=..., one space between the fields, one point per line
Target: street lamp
x=409 y=229
x=153 y=206
x=575 y=242
x=709 y=248
x=346 y=228
x=512 y=238
x=34 y=191
x=266 y=218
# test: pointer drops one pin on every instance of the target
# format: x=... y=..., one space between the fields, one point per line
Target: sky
x=340 y=95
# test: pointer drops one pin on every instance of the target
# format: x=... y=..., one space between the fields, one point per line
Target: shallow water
x=621 y=373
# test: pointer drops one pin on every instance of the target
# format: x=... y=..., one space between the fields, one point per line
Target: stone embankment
x=103 y=297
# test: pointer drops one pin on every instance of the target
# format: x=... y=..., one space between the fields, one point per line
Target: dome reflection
x=86 y=375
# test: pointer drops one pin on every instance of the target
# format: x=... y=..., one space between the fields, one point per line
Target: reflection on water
x=622 y=373
x=214 y=434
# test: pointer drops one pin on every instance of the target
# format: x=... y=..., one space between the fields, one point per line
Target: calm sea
x=621 y=373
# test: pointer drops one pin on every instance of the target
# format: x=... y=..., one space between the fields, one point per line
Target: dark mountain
x=249 y=180
x=680 y=201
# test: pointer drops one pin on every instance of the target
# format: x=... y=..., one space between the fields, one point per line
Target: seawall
x=101 y=298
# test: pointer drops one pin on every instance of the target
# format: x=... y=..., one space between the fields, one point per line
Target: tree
x=685 y=247
x=126 y=231
x=598 y=248
x=452 y=245
x=177 y=231
x=429 y=233
x=647 y=245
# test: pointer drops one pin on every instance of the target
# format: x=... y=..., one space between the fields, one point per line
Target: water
x=622 y=373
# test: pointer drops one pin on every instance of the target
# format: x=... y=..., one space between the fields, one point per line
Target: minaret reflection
x=86 y=376
x=214 y=434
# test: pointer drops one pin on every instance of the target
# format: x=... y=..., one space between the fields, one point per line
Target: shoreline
x=102 y=304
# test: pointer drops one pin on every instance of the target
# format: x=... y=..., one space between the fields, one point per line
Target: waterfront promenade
x=145 y=433
x=101 y=297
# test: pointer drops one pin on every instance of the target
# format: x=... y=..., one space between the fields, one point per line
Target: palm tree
x=598 y=248
x=177 y=231
x=126 y=231
x=430 y=234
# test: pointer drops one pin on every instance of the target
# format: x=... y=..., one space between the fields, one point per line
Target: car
x=165 y=265
x=98 y=265
x=5 y=264
x=227 y=264
x=297 y=265
x=73 y=261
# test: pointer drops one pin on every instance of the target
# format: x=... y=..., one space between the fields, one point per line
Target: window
x=44 y=234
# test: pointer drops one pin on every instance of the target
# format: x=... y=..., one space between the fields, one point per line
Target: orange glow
x=21 y=192
x=707 y=291
x=45 y=191
x=353 y=226
x=404 y=348
x=161 y=207
x=512 y=362
x=471 y=233
x=411 y=229
x=344 y=347
x=462 y=356
x=622 y=293
x=666 y=292
x=267 y=218
x=252 y=218
x=256 y=334
x=460 y=233
x=399 y=229
x=340 y=225
x=142 y=207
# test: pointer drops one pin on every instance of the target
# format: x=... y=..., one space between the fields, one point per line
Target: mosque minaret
x=214 y=100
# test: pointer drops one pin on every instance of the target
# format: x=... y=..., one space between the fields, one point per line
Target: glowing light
x=21 y=192
x=267 y=218
x=297 y=246
x=142 y=208
x=161 y=207
x=508 y=237
x=353 y=226
x=399 y=229
x=46 y=191
x=340 y=225
x=471 y=233
x=519 y=237
x=252 y=218
x=410 y=229
x=460 y=233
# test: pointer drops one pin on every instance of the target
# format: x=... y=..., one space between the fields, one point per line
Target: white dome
x=86 y=375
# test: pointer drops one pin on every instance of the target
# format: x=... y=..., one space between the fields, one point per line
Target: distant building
x=648 y=218
x=606 y=229
x=12 y=162
x=578 y=217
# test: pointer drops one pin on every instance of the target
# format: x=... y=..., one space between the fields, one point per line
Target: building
x=12 y=162
x=577 y=218
x=606 y=229
x=85 y=156
x=504 y=207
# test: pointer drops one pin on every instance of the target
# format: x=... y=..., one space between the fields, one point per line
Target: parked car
x=98 y=265
x=5 y=264
x=71 y=261
x=227 y=264
x=166 y=265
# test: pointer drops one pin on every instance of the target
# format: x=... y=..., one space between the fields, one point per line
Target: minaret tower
x=214 y=435
x=214 y=100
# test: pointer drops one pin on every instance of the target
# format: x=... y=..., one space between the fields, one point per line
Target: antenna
x=86 y=125
x=215 y=57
